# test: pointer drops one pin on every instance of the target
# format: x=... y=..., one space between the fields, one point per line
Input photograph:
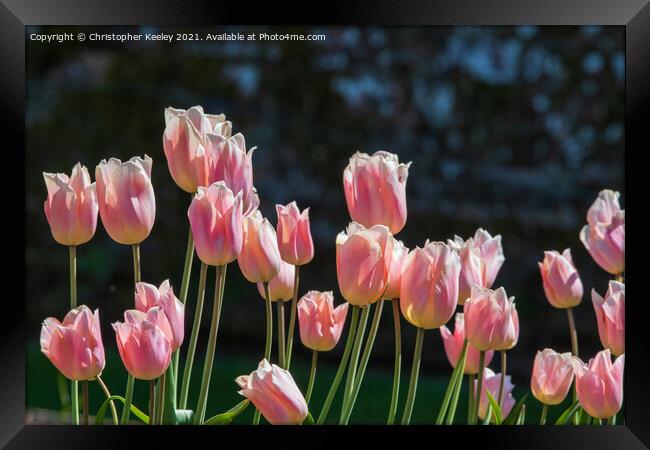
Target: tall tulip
x=453 y=343
x=494 y=383
x=321 y=324
x=562 y=284
x=491 y=320
x=610 y=316
x=375 y=190
x=294 y=235
x=259 y=259
x=599 y=384
x=280 y=286
x=552 y=376
x=148 y=296
x=604 y=234
x=398 y=257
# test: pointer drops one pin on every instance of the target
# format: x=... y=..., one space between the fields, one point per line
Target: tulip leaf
x=227 y=417
x=309 y=420
x=184 y=416
x=99 y=418
x=170 y=414
x=516 y=410
x=496 y=410
x=567 y=415
x=521 y=419
x=488 y=415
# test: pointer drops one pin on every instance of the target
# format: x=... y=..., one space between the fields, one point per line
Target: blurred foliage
x=514 y=129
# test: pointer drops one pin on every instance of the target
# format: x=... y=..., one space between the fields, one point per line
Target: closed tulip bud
x=610 y=316
x=453 y=343
x=259 y=259
x=363 y=257
x=281 y=286
x=375 y=190
x=71 y=206
x=75 y=346
x=481 y=258
x=552 y=376
x=217 y=226
x=492 y=383
x=294 y=236
x=274 y=394
x=560 y=278
x=429 y=291
x=148 y=296
x=491 y=320
x=604 y=234
x=599 y=384
x=320 y=323
x=126 y=200
x=144 y=341
x=395 y=275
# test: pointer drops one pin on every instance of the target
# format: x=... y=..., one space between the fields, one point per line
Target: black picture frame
x=634 y=15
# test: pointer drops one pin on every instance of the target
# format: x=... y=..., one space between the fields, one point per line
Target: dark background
x=514 y=129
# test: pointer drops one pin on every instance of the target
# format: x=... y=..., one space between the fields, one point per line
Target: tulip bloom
x=429 y=291
x=321 y=324
x=216 y=220
x=491 y=320
x=259 y=259
x=126 y=200
x=492 y=383
x=560 y=278
x=454 y=345
x=481 y=258
x=604 y=234
x=375 y=190
x=280 y=286
x=274 y=394
x=185 y=131
x=294 y=236
x=363 y=257
x=610 y=315
x=71 y=206
x=395 y=275
x=75 y=346
x=144 y=341
x=599 y=384
x=552 y=376
x=148 y=296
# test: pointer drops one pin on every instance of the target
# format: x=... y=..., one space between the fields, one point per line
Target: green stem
x=542 y=420
x=470 y=405
x=185 y=284
x=458 y=383
x=312 y=375
x=281 y=347
x=108 y=395
x=354 y=359
x=612 y=420
x=398 y=362
x=372 y=334
x=479 y=388
x=503 y=377
x=84 y=388
x=342 y=365
x=74 y=385
x=189 y=358
x=574 y=350
x=292 y=320
x=413 y=382
x=269 y=337
x=161 y=398
x=212 y=344
x=152 y=402
x=451 y=385
x=136 y=263
x=128 y=399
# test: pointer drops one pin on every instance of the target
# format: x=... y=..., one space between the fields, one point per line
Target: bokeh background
x=513 y=129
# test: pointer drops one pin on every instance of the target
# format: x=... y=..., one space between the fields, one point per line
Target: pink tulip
x=320 y=323
x=126 y=200
x=259 y=259
x=454 y=345
x=184 y=132
x=395 y=275
x=429 y=291
x=144 y=341
x=560 y=278
x=492 y=383
x=281 y=286
x=363 y=257
x=604 y=234
x=294 y=235
x=148 y=296
x=491 y=320
x=274 y=394
x=599 y=384
x=71 y=206
x=216 y=220
x=552 y=376
x=375 y=190
x=75 y=346
x=481 y=258
x=610 y=316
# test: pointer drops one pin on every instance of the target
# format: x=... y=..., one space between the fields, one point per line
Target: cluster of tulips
x=425 y=285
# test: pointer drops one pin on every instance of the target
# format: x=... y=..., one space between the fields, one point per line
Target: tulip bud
x=294 y=235
x=491 y=320
x=454 y=345
x=552 y=376
x=75 y=346
x=321 y=324
x=126 y=200
x=395 y=275
x=599 y=384
x=429 y=291
x=148 y=296
x=610 y=316
x=281 y=286
x=259 y=259
x=71 y=206
x=492 y=383
x=560 y=278
x=274 y=394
